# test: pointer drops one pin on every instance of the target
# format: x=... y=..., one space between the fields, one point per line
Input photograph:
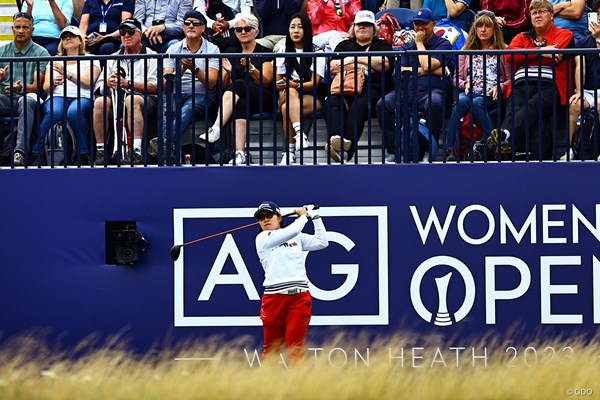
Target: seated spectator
x=331 y=21
x=457 y=11
x=299 y=83
x=251 y=84
x=69 y=91
x=161 y=22
x=571 y=15
x=479 y=92
x=195 y=72
x=512 y=15
x=49 y=18
x=536 y=78
x=348 y=114
x=136 y=79
x=429 y=71
x=222 y=16
x=19 y=78
x=414 y=4
x=100 y=20
x=274 y=15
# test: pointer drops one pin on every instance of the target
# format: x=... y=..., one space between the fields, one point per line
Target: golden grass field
x=344 y=368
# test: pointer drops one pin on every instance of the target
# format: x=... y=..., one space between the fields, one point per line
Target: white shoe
x=570 y=154
x=240 y=158
x=336 y=143
x=213 y=135
x=288 y=158
x=301 y=143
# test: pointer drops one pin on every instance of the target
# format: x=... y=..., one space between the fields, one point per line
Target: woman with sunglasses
x=251 y=91
x=299 y=84
x=70 y=91
x=482 y=79
x=286 y=303
x=100 y=20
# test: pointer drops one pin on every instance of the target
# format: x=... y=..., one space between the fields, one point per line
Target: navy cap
x=131 y=23
x=267 y=206
x=424 y=15
x=195 y=14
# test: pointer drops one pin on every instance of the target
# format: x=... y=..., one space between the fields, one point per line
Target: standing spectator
x=70 y=90
x=274 y=15
x=512 y=15
x=536 y=78
x=457 y=11
x=299 y=82
x=347 y=113
x=161 y=21
x=21 y=78
x=479 y=92
x=100 y=20
x=49 y=18
x=571 y=15
x=331 y=20
x=195 y=71
x=138 y=79
x=222 y=16
x=251 y=82
x=429 y=71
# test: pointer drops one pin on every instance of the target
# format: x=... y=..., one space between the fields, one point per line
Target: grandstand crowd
x=169 y=82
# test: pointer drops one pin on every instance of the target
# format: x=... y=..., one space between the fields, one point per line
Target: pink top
x=324 y=15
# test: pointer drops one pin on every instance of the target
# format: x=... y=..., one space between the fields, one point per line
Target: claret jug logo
x=218 y=284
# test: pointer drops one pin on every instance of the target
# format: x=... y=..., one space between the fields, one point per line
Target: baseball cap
x=72 y=30
x=131 y=23
x=424 y=15
x=267 y=206
x=195 y=14
x=364 y=16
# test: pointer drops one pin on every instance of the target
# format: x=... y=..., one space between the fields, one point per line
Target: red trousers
x=285 y=320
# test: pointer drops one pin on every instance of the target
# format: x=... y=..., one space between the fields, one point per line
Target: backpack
x=586 y=131
x=58 y=146
x=388 y=25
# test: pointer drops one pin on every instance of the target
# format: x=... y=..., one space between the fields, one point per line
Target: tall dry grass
x=345 y=368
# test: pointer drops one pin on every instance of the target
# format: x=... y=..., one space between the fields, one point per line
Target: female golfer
x=286 y=303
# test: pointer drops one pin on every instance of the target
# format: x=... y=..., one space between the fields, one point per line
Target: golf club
x=176 y=250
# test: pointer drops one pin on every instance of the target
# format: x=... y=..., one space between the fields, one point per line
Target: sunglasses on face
x=189 y=22
x=125 y=32
x=243 y=29
x=266 y=215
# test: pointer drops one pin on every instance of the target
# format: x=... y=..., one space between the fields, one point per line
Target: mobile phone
x=280 y=82
x=91 y=35
x=592 y=17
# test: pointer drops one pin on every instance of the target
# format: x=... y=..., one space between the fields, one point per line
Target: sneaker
x=496 y=136
x=301 y=143
x=99 y=157
x=450 y=155
x=336 y=143
x=18 y=159
x=569 y=155
x=390 y=158
x=137 y=158
x=239 y=159
x=288 y=158
x=213 y=135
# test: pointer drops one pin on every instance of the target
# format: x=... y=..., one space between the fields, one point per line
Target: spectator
x=512 y=15
x=70 y=91
x=222 y=16
x=252 y=89
x=331 y=21
x=202 y=73
x=348 y=114
x=275 y=15
x=100 y=21
x=479 y=92
x=535 y=80
x=414 y=4
x=457 y=11
x=299 y=83
x=49 y=18
x=429 y=72
x=571 y=15
x=21 y=78
x=161 y=21
x=137 y=78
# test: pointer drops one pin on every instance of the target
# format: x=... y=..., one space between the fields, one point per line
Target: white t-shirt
x=320 y=64
x=72 y=86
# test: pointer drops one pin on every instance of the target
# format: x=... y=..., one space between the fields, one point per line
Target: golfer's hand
x=301 y=211
x=310 y=211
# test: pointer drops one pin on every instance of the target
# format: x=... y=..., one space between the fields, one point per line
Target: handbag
x=350 y=83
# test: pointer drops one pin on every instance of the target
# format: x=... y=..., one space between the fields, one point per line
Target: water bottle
x=59 y=143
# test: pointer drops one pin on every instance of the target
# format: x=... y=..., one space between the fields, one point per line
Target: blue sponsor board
x=449 y=249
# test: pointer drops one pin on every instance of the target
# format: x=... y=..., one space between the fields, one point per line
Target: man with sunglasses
x=200 y=73
x=136 y=81
x=161 y=21
x=19 y=79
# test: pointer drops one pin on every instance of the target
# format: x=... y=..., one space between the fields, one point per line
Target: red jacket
x=563 y=38
x=324 y=15
x=514 y=12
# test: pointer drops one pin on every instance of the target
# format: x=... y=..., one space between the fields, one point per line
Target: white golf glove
x=312 y=213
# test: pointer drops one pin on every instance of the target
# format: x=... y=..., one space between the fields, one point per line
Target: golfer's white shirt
x=281 y=251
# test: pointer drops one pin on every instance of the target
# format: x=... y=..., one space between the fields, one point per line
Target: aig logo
x=208 y=300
